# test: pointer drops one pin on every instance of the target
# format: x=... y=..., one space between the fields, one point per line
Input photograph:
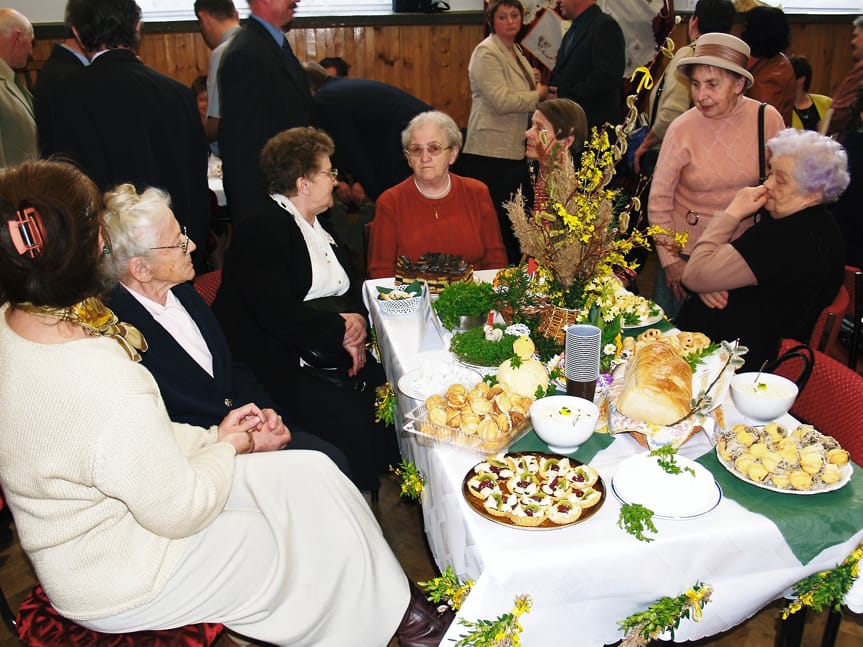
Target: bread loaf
x=657 y=386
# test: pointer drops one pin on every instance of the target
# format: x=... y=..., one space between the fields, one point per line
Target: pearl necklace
x=437 y=195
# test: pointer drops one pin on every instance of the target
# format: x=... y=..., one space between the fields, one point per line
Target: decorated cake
x=435 y=268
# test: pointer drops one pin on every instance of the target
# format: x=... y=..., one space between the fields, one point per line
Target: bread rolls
x=657 y=386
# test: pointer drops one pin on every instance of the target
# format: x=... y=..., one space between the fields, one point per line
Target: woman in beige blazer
x=504 y=93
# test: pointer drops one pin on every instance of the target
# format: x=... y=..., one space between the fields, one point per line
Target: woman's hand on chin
x=746 y=202
x=355 y=329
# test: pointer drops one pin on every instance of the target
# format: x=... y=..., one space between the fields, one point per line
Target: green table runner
x=590 y=448
x=809 y=524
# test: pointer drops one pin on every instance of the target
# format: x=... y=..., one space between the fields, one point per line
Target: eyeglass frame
x=420 y=149
x=333 y=173
x=184 y=243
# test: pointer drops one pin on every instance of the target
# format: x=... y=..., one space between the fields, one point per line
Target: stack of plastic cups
x=582 y=360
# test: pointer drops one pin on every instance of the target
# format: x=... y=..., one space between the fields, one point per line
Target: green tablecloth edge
x=809 y=523
x=585 y=453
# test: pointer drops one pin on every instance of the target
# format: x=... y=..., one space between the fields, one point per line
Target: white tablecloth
x=585 y=578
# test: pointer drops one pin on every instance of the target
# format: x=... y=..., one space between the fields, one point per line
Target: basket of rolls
x=669 y=387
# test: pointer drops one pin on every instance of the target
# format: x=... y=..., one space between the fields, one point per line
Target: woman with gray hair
x=188 y=354
x=774 y=280
x=434 y=210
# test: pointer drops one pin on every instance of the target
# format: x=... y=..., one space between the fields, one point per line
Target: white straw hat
x=719 y=50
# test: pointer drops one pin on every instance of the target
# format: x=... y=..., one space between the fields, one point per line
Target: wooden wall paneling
x=430 y=61
x=388 y=66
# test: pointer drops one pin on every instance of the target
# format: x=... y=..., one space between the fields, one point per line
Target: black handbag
x=327 y=359
x=762 y=213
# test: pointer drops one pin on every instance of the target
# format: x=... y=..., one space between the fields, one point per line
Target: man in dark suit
x=590 y=62
x=263 y=91
x=190 y=394
x=125 y=122
x=65 y=60
x=365 y=119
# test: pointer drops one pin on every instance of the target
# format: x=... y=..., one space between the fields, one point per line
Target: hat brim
x=686 y=64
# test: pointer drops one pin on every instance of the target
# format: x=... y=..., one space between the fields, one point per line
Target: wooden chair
x=854 y=286
x=829 y=383
x=207 y=285
x=825 y=333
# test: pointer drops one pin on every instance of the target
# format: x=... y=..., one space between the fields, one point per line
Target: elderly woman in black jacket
x=290 y=312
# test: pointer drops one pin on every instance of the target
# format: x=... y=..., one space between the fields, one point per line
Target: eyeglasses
x=333 y=173
x=415 y=150
x=183 y=244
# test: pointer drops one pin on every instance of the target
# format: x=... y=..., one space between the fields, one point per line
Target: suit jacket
x=190 y=394
x=61 y=64
x=262 y=93
x=775 y=84
x=125 y=122
x=503 y=97
x=366 y=119
x=590 y=69
x=17 y=121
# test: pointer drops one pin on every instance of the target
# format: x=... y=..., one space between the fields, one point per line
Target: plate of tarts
x=533 y=490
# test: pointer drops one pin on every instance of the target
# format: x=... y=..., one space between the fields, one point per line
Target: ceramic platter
x=435 y=376
x=846 y=471
x=646 y=321
x=476 y=504
x=691 y=493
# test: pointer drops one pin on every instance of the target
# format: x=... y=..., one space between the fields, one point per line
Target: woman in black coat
x=285 y=292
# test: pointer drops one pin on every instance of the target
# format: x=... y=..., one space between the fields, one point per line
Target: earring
x=106 y=250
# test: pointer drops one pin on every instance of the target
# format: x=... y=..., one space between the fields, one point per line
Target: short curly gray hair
x=820 y=163
x=132 y=221
x=439 y=119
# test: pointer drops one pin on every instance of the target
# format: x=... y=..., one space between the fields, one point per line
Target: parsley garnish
x=636 y=519
x=666 y=459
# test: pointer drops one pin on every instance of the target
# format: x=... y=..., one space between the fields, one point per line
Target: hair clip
x=28 y=232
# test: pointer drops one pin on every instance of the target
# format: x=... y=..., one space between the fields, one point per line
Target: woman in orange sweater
x=434 y=210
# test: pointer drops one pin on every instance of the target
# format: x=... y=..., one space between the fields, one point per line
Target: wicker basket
x=555 y=320
x=400 y=306
x=529 y=311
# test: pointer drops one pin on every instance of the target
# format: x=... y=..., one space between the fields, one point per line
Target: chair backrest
x=825 y=334
x=207 y=285
x=854 y=285
x=831 y=400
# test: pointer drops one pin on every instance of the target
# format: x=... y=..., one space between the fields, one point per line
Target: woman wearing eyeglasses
x=187 y=352
x=286 y=295
x=434 y=210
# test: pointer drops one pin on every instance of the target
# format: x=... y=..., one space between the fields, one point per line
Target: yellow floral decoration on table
x=577 y=235
x=503 y=631
x=412 y=480
x=665 y=615
x=827 y=588
x=385 y=404
x=447 y=589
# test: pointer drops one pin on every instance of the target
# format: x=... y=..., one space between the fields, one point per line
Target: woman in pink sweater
x=708 y=154
x=434 y=210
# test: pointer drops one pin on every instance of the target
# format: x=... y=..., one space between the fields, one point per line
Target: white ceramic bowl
x=564 y=422
x=768 y=399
